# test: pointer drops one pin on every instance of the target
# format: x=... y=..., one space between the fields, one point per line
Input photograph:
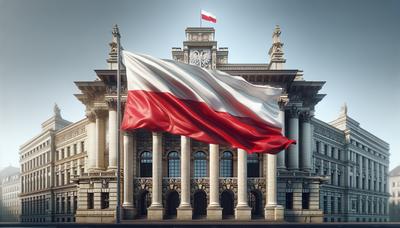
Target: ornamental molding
x=200 y=184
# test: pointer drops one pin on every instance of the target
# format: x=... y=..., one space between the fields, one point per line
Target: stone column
x=306 y=142
x=100 y=139
x=129 y=146
x=184 y=210
x=214 y=210
x=293 y=151
x=281 y=155
x=156 y=210
x=242 y=211
x=91 y=141
x=112 y=134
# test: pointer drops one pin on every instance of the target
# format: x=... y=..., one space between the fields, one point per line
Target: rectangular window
x=68 y=151
x=68 y=205
x=325 y=204
x=326 y=149
x=289 y=200
x=75 y=203
x=317 y=146
x=332 y=205
x=75 y=149
x=339 y=205
x=305 y=200
x=57 y=205
x=333 y=152
x=339 y=178
x=339 y=154
x=63 y=205
x=90 y=200
x=82 y=146
x=357 y=181
x=105 y=200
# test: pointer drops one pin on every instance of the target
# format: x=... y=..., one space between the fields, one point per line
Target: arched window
x=226 y=164
x=253 y=168
x=200 y=164
x=174 y=164
x=146 y=164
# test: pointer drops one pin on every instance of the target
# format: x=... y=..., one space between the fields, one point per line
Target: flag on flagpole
x=206 y=105
x=208 y=16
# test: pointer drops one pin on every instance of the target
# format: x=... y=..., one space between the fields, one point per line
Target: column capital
x=112 y=103
x=293 y=112
x=283 y=101
x=157 y=133
x=90 y=115
x=306 y=116
x=100 y=113
x=129 y=133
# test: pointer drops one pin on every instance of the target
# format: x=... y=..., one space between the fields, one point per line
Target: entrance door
x=255 y=203
x=144 y=203
x=199 y=204
x=172 y=203
x=227 y=203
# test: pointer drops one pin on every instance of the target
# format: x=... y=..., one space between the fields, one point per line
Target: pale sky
x=45 y=45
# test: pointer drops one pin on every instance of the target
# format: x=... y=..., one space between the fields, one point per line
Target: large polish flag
x=206 y=105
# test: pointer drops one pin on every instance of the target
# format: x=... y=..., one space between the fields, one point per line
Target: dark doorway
x=226 y=201
x=144 y=203
x=199 y=204
x=255 y=201
x=172 y=203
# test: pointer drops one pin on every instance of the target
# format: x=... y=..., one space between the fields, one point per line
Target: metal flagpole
x=200 y=18
x=115 y=32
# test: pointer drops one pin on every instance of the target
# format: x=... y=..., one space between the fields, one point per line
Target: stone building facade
x=169 y=176
x=394 y=191
x=10 y=188
x=356 y=164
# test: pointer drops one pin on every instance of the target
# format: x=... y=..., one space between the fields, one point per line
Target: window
x=325 y=204
x=82 y=146
x=326 y=149
x=289 y=200
x=75 y=203
x=339 y=205
x=90 y=201
x=317 y=146
x=75 y=149
x=57 y=205
x=339 y=154
x=68 y=151
x=253 y=167
x=332 y=152
x=146 y=164
x=63 y=205
x=332 y=205
x=174 y=164
x=105 y=200
x=305 y=200
x=68 y=205
x=226 y=166
x=200 y=164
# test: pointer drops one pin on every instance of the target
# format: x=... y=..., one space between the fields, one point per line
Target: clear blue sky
x=45 y=45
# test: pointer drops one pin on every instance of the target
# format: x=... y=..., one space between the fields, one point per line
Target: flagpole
x=118 y=209
x=200 y=19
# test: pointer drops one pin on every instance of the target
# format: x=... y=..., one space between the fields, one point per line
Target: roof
x=395 y=171
x=8 y=171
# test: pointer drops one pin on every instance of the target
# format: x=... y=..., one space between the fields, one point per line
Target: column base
x=274 y=213
x=184 y=213
x=214 y=213
x=129 y=213
x=243 y=213
x=155 y=213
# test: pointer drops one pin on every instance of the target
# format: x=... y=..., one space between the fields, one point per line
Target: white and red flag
x=206 y=105
x=208 y=16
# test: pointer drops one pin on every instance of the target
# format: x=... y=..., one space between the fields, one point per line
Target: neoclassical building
x=169 y=176
x=10 y=188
